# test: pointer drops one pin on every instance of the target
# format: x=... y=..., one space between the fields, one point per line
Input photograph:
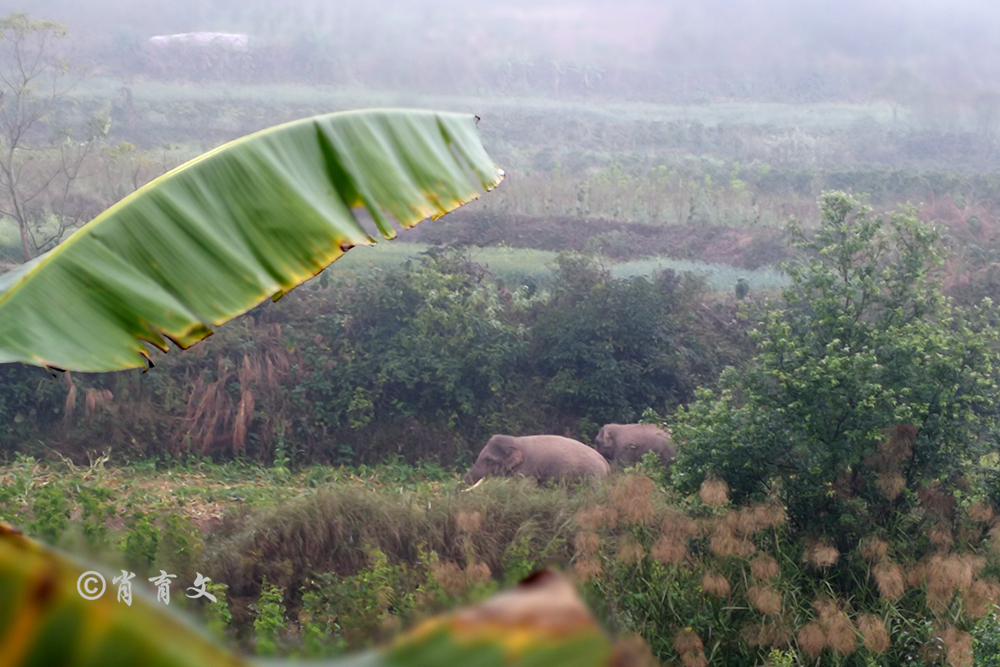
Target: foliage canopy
x=864 y=341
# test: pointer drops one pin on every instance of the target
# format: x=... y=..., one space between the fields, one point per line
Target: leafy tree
x=864 y=341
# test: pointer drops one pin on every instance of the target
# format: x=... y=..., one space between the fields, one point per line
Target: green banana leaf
x=218 y=235
x=45 y=621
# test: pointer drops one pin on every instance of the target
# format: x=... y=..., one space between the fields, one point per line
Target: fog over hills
x=670 y=49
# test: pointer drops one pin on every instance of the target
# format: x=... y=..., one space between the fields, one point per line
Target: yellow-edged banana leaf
x=45 y=621
x=218 y=235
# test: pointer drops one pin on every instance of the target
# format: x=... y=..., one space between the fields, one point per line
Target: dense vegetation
x=836 y=494
x=425 y=362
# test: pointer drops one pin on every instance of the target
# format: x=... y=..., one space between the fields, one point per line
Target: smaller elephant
x=544 y=457
x=626 y=444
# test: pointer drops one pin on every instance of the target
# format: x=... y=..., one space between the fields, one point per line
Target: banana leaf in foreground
x=46 y=621
x=218 y=235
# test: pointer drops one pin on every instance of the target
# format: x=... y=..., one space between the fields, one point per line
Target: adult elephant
x=544 y=457
x=626 y=444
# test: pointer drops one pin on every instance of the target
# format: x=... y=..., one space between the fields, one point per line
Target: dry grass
x=765 y=599
x=715 y=583
x=958 y=646
x=587 y=568
x=772 y=632
x=632 y=498
x=630 y=552
x=587 y=543
x=873 y=549
x=764 y=567
x=821 y=554
x=981 y=511
x=873 y=633
x=890 y=484
x=981 y=596
x=689 y=646
x=714 y=492
x=889 y=579
x=469 y=522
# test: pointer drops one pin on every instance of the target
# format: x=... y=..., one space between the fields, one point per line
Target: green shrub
x=51 y=513
x=270 y=621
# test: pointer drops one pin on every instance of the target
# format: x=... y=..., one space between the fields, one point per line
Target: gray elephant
x=544 y=457
x=626 y=444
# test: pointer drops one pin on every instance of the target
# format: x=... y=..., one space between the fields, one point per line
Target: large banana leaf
x=217 y=236
x=46 y=622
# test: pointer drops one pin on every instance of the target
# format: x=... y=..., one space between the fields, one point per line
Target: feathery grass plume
x=940 y=536
x=937 y=502
x=839 y=632
x=723 y=542
x=610 y=518
x=982 y=595
x=889 y=578
x=631 y=552
x=774 y=515
x=587 y=568
x=587 y=542
x=873 y=633
x=715 y=583
x=975 y=562
x=767 y=633
x=688 y=644
x=449 y=576
x=946 y=575
x=764 y=567
x=478 y=573
x=714 y=492
x=890 y=484
x=873 y=549
x=969 y=534
x=958 y=645
x=677 y=526
x=632 y=496
x=812 y=639
x=994 y=539
x=822 y=554
x=728 y=536
x=841 y=635
x=916 y=574
x=669 y=551
x=687 y=640
x=899 y=447
x=748 y=521
x=469 y=522
x=590 y=518
x=981 y=511
x=634 y=651
x=765 y=599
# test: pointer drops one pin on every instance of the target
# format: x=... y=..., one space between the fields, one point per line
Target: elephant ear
x=509 y=452
x=515 y=458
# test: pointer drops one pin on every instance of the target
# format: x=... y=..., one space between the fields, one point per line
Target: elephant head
x=542 y=457
x=500 y=457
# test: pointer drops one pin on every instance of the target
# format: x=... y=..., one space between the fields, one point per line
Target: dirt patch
x=748 y=248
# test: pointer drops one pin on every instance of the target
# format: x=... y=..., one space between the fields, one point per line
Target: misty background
x=669 y=51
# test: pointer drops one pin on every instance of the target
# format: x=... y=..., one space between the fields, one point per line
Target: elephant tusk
x=474 y=485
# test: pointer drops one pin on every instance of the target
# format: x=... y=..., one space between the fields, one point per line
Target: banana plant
x=218 y=235
x=191 y=250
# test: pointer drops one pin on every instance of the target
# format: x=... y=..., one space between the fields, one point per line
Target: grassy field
x=519 y=264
